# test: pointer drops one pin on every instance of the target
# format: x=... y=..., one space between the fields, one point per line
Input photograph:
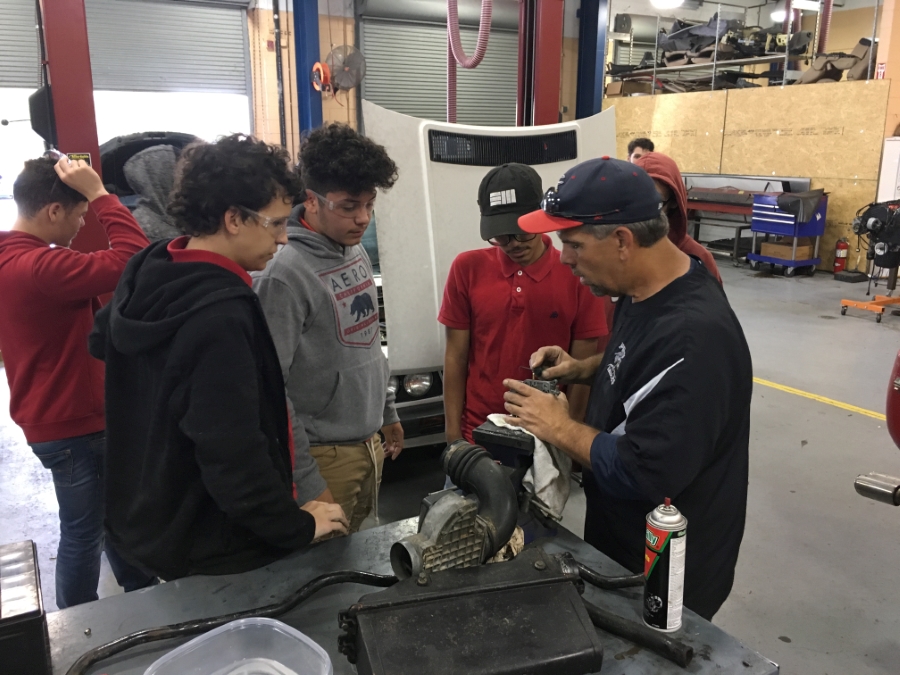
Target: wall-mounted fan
x=347 y=67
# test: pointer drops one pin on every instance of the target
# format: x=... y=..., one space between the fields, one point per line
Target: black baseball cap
x=600 y=191
x=506 y=193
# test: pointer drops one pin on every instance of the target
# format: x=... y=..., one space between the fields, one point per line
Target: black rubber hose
x=198 y=626
x=641 y=635
x=608 y=583
x=473 y=469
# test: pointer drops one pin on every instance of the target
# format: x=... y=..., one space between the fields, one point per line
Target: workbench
x=200 y=597
x=745 y=210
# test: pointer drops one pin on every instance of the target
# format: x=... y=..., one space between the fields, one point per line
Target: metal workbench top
x=200 y=597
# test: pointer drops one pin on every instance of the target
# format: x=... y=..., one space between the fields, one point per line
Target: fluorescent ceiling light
x=667 y=4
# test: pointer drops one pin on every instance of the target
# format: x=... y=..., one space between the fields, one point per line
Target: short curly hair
x=234 y=171
x=337 y=158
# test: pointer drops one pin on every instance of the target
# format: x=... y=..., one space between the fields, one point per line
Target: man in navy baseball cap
x=597 y=192
x=669 y=412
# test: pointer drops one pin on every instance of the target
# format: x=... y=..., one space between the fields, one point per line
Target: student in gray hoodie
x=321 y=303
x=151 y=174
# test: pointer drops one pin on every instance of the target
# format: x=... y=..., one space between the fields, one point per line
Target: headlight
x=393 y=385
x=417 y=385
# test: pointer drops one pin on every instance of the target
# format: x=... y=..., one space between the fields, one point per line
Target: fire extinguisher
x=841 y=251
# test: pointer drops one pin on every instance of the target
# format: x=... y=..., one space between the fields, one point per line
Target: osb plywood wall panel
x=820 y=130
x=845 y=197
x=832 y=133
x=687 y=127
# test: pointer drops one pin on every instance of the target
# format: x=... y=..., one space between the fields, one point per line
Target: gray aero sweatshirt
x=321 y=304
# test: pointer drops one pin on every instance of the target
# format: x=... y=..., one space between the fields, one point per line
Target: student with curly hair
x=320 y=299
x=199 y=450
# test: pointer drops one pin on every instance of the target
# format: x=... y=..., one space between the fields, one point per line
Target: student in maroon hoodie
x=665 y=174
x=49 y=297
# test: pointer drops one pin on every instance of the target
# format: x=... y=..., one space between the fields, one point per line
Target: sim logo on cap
x=503 y=197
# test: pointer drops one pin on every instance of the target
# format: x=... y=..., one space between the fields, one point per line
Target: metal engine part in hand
x=546 y=386
x=450 y=535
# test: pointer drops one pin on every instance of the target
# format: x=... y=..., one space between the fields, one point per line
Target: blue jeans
x=77 y=466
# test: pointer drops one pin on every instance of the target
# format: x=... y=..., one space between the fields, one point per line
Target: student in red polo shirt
x=501 y=302
x=198 y=441
x=49 y=295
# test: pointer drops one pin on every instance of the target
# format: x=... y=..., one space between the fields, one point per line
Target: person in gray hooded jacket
x=321 y=303
x=151 y=174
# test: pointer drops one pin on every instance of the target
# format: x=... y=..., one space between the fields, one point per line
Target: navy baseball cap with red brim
x=600 y=191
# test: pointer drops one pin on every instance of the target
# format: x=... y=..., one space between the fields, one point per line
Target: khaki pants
x=353 y=474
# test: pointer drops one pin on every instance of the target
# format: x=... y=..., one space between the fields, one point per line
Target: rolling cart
x=792 y=215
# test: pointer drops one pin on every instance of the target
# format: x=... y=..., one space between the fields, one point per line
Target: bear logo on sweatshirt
x=361 y=306
x=353 y=297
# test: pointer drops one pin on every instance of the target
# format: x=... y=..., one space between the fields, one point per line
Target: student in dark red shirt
x=199 y=453
x=502 y=303
x=49 y=297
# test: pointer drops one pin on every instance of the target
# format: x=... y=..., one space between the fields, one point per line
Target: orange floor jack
x=880 y=303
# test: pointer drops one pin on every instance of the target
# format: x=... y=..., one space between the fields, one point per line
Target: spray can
x=664 y=556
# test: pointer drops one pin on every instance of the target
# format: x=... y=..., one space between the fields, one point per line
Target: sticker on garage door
x=355 y=300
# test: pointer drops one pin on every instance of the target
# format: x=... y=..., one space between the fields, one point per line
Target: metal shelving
x=715 y=64
x=728 y=63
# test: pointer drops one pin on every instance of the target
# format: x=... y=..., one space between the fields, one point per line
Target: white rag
x=549 y=474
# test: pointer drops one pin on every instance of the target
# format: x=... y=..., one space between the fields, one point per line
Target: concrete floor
x=816 y=590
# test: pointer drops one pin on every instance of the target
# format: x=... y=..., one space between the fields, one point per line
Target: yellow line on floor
x=820 y=399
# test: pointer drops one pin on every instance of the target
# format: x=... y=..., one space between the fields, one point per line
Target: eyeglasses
x=550 y=205
x=278 y=225
x=346 y=208
x=504 y=239
x=55 y=154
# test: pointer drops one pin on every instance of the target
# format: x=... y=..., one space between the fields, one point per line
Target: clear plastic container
x=246 y=647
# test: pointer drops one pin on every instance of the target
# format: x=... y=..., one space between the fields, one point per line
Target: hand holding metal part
x=537 y=411
x=554 y=363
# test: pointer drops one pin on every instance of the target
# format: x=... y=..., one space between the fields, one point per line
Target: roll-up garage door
x=406 y=71
x=154 y=46
x=19 y=57
x=140 y=46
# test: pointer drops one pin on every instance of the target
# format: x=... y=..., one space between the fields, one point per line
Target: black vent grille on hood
x=472 y=150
